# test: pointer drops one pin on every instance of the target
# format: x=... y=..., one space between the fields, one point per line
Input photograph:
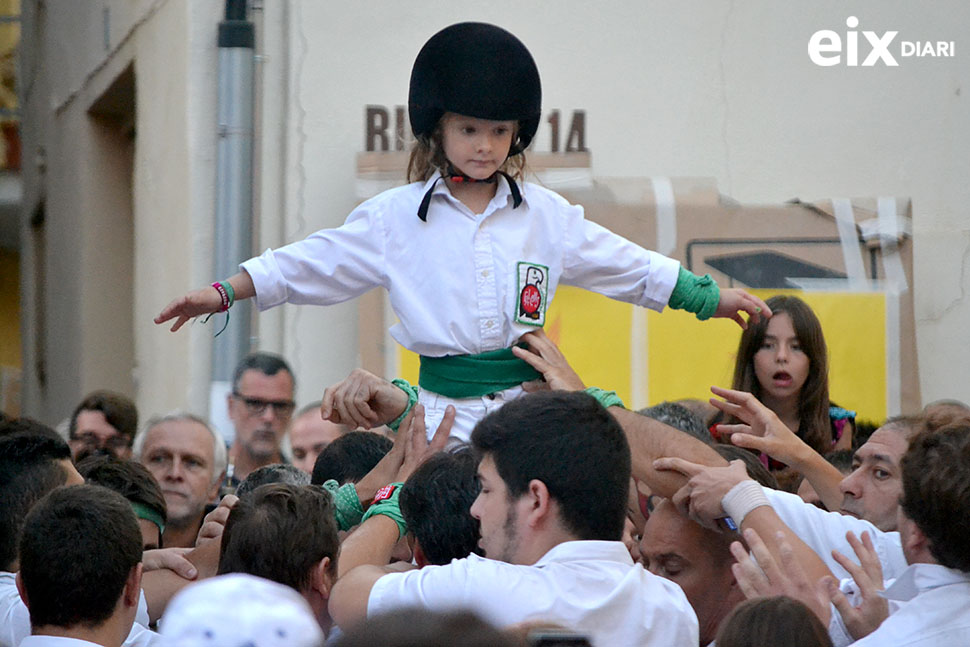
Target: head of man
x=554 y=466
x=697 y=559
x=350 y=457
x=435 y=503
x=288 y=534
x=80 y=564
x=309 y=434
x=272 y=473
x=872 y=490
x=188 y=459
x=933 y=523
x=261 y=405
x=103 y=423
x=31 y=465
x=134 y=482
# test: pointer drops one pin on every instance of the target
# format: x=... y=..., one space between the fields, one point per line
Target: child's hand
x=735 y=300
x=195 y=303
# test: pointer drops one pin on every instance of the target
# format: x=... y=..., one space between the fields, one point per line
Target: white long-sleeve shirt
x=457 y=282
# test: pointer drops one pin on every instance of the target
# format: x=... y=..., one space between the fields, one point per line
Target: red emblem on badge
x=530 y=301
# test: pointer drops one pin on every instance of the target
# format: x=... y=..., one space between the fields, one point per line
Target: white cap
x=238 y=610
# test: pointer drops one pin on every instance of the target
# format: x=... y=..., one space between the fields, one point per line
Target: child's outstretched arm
x=702 y=296
x=206 y=300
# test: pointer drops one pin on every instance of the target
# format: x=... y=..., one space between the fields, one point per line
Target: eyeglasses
x=256 y=406
x=113 y=443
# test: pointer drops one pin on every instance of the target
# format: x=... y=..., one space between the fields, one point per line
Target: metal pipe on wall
x=234 y=188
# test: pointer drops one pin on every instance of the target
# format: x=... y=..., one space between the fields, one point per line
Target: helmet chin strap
x=455 y=175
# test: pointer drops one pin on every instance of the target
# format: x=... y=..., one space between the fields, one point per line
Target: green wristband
x=412 y=393
x=347 y=508
x=606 y=398
x=386 y=503
x=697 y=294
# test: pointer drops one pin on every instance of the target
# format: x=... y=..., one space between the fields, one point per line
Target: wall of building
x=691 y=89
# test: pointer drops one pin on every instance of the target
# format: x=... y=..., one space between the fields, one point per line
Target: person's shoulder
x=398 y=195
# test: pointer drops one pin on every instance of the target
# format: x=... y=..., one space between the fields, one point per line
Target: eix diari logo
x=826 y=47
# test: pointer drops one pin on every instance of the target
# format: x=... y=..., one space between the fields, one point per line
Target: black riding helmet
x=478 y=70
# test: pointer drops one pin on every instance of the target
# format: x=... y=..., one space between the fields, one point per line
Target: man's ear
x=914 y=540
x=132 y=591
x=322 y=577
x=22 y=591
x=213 y=492
x=419 y=557
x=539 y=502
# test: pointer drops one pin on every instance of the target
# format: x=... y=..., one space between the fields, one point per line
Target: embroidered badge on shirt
x=384 y=493
x=531 y=304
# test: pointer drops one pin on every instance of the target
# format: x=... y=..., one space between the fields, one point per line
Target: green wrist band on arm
x=347 y=508
x=386 y=503
x=412 y=393
x=606 y=398
x=697 y=294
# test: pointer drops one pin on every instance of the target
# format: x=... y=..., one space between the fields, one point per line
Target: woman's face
x=781 y=365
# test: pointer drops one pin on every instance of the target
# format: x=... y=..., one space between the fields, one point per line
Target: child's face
x=476 y=147
x=781 y=365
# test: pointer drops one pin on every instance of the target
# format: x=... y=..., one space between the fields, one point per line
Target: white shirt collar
x=919 y=578
x=570 y=551
x=502 y=198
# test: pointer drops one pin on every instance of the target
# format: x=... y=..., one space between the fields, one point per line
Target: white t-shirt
x=592 y=587
x=15 y=619
x=55 y=641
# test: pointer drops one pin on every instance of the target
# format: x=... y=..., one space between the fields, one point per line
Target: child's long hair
x=428 y=156
x=815 y=427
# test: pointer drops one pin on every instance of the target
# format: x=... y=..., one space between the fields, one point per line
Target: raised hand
x=700 y=498
x=763 y=429
x=768 y=577
x=363 y=399
x=862 y=619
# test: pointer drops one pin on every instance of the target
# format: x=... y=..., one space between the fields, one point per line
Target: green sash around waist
x=469 y=376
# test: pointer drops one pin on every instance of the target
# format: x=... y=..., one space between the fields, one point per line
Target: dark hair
x=265 y=363
x=436 y=504
x=130 y=479
x=280 y=532
x=815 y=427
x=752 y=465
x=679 y=417
x=78 y=547
x=25 y=425
x=119 y=411
x=777 y=620
x=274 y=473
x=841 y=460
x=570 y=443
x=348 y=458
x=936 y=492
x=29 y=469
x=419 y=627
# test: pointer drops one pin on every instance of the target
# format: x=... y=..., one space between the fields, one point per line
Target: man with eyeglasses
x=103 y=423
x=260 y=407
